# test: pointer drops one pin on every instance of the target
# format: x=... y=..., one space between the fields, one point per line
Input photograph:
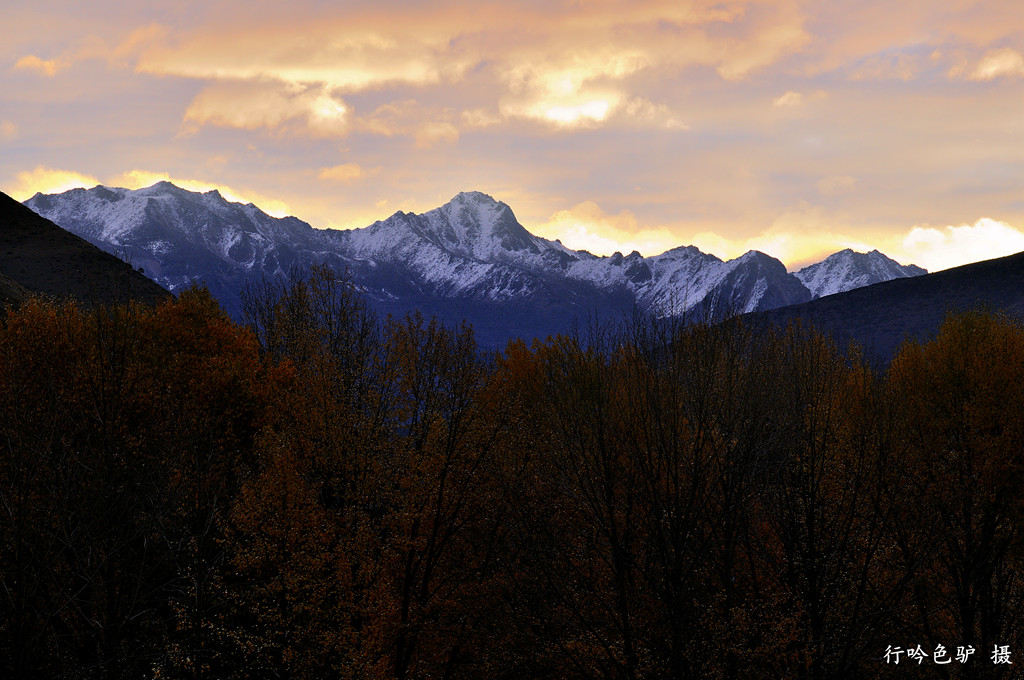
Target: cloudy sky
x=797 y=128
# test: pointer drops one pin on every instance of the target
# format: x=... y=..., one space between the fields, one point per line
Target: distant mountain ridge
x=469 y=258
x=847 y=270
x=178 y=236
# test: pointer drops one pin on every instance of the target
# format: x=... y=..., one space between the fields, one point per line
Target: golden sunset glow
x=138 y=179
x=587 y=227
x=48 y=181
x=785 y=125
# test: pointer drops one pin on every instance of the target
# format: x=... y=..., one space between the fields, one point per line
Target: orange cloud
x=565 y=94
x=47 y=67
x=789 y=99
x=138 y=41
x=251 y=106
x=792 y=99
x=432 y=133
x=8 y=130
x=1001 y=63
x=335 y=53
x=564 y=65
x=427 y=126
x=582 y=109
x=870 y=39
x=480 y=118
x=347 y=172
x=763 y=42
x=94 y=47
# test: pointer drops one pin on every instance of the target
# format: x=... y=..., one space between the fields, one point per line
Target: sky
x=794 y=127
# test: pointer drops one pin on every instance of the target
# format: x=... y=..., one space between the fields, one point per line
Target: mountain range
x=468 y=259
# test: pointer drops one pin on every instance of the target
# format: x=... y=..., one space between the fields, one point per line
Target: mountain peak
x=761 y=258
x=848 y=269
x=474 y=222
x=164 y=185
x=474 y=197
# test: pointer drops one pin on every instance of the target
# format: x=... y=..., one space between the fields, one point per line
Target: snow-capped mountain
x=469 y=258
x=178 y=236
x=847 y=270
x=471 y=248
x=474 y=248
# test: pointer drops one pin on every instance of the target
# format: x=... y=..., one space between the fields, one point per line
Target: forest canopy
x=319 y=493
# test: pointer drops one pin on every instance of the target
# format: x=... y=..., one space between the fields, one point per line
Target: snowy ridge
x=179 y=236
x=474 y=247
x=847 y=270
x=470 y=251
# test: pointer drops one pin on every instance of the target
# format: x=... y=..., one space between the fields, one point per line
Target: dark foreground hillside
x=325 y=496
x=38 y=256
x=881 y=316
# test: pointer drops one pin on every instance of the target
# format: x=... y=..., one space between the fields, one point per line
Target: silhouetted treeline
x=322 y=494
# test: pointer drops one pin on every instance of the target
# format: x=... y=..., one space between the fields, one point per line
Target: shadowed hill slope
x=37 y=256
x=881 y=316
x=11 y=292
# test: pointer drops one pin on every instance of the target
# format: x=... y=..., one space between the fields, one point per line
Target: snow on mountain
x=179 y=236
x=847 y=270
x=469 y=258
x=471 y=247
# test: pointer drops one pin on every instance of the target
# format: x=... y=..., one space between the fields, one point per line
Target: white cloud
x=936 y=248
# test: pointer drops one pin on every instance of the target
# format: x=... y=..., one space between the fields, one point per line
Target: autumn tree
x=963 y=424
x=133 y=421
